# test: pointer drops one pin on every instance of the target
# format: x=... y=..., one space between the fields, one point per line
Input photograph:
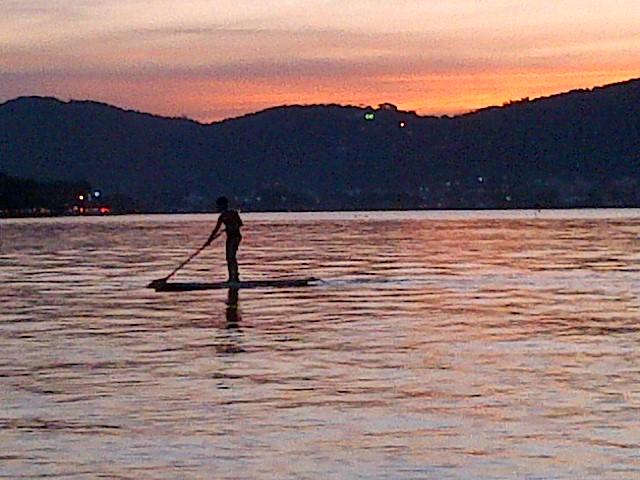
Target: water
x=438 y=345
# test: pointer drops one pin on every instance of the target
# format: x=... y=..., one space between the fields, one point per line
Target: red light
x=105 y=210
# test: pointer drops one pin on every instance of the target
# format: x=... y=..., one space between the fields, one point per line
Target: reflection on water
x=233 y=308
x=437 y=345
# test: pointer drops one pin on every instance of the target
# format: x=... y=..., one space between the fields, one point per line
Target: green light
x=369 y=116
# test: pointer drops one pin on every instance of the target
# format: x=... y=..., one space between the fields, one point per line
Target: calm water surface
x=438 y=345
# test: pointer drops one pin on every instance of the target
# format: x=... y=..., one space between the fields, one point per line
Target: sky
x=214 y=59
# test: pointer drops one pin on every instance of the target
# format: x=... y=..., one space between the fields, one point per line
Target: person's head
x=222 y=203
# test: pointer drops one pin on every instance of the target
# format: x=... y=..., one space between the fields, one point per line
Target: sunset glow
x=211 y=60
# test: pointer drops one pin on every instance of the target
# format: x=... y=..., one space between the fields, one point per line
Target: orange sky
x=210 y=60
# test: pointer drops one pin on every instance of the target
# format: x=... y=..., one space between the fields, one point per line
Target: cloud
x=227 y=52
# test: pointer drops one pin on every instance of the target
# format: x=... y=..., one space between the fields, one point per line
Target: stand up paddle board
x=276 y=283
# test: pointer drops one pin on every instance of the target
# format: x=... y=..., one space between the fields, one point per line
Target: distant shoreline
x=321 y=212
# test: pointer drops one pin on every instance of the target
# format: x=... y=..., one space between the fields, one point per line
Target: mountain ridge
x=506 y=104
x=577 y=148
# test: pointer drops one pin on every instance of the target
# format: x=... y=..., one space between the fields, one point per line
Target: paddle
x=161 y=281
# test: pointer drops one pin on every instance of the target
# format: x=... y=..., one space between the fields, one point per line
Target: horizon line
x=451 y=115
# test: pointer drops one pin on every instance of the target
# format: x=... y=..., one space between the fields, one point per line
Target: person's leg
x=232 y=261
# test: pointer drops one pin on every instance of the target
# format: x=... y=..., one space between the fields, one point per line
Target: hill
x=580 y=148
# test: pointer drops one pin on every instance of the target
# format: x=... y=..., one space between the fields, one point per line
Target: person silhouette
x=232 y=223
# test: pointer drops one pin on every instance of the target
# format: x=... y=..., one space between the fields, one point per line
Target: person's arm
x=214 y=234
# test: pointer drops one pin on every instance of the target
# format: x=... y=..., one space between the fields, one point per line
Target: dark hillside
x=581 y=148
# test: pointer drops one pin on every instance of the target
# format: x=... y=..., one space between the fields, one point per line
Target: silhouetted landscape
x=577 y=149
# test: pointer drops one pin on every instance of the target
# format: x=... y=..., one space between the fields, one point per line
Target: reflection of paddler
x=232 y=223
x=233 y=313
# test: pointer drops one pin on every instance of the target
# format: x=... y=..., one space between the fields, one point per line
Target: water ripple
x=436 y=345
